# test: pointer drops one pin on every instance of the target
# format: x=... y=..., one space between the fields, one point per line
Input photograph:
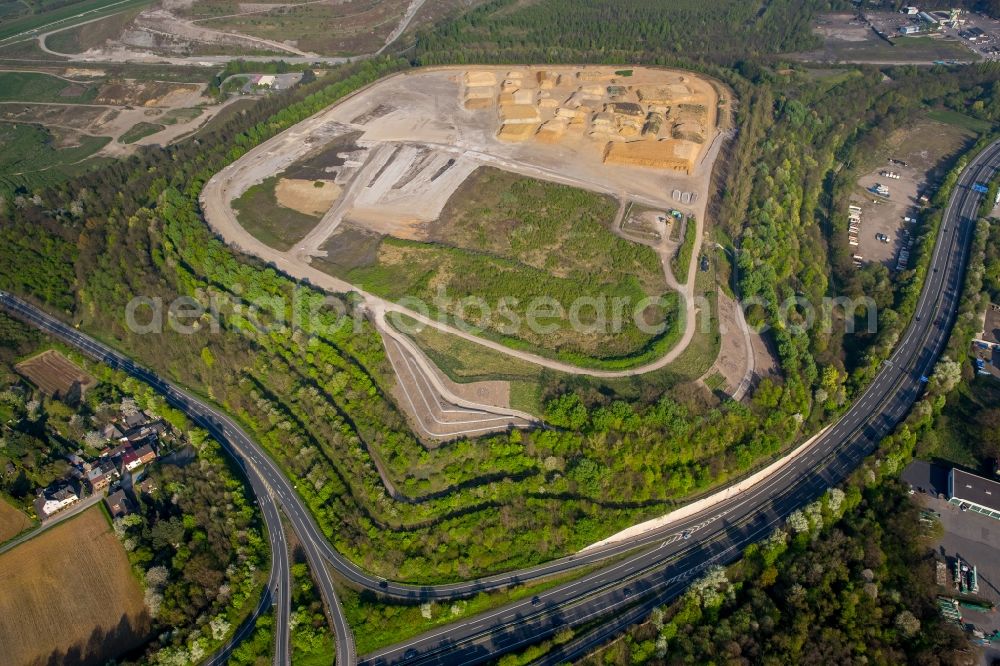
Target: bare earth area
x=310 y=197
x=189 y=31
x=119 y=105
x=401 y=147
x=69 y=596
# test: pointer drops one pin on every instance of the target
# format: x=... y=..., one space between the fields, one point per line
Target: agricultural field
x=13 y=521
x=74 y=576
x=56 y=375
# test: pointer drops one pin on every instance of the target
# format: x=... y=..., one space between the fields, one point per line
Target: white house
x=58 y=499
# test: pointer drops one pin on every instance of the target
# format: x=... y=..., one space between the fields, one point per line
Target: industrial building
x=974 y=493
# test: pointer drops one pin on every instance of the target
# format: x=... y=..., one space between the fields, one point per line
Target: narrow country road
x=70 y=511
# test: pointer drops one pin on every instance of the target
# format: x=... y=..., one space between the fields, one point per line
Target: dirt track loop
x=443 y=134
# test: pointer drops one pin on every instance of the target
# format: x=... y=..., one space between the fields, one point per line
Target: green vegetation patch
x=140 y=131
x=681 y=261
x=38 y=87
x=268 y=221
x=508 y=246
x=47 y=13
x=91 y=35
x=958 y=119
x=25 y=149
x=174 y=116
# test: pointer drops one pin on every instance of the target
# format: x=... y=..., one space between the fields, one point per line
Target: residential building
x=147 y=432
x=101 y=475
x=111 y=432
x=135 y=420
x=145 y=454
x=974 y=493
x=55 y=498
x=118 y=504
x=128 y=461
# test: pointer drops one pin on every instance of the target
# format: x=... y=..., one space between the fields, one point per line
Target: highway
x=666 y=560
x=629 y=591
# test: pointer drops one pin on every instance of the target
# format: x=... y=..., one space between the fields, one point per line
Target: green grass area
x=38 y=87
x=269 y=222
x=532 y=264
x=961 y=120
x=329 y=29
x=91 y=35
x=140 y=130
x=226 y=114
x=174 y=116
x=464 y=361
x=28 y=148
x=378 y=624
x=65 y=14
x=681 y=261
x=15 y=53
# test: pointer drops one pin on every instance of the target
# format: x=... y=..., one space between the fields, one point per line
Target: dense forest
x=203 y=572
x=626 y=31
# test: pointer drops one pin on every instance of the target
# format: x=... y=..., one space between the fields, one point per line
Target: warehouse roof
x=975 y=489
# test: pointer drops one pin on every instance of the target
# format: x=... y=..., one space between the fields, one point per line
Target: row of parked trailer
x=853 y=228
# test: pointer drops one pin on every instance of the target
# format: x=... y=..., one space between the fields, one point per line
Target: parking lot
x=918 y=155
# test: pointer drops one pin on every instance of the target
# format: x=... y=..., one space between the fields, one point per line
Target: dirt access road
x=281 y=151
x=164 y=21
